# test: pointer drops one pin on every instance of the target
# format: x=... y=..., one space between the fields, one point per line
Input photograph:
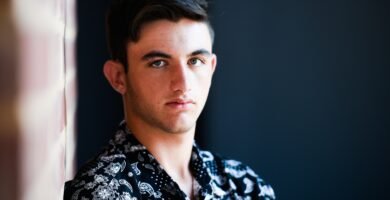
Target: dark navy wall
x=99 y=108
x=301 y=93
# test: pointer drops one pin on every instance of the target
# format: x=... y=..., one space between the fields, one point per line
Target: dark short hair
x=125 y=18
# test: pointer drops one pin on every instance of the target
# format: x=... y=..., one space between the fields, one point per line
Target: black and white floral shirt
x=125 y=170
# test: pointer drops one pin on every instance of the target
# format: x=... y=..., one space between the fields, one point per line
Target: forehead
x=181 y=37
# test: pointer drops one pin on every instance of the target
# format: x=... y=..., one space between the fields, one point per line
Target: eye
x=158 y=64
x=195 y=62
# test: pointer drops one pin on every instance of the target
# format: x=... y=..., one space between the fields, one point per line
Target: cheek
x=207 y=76
x=147 y=87
x=204 y=83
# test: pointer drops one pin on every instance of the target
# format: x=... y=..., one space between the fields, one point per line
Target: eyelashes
x=196 y=61
x=161 y=63
x=158 y=64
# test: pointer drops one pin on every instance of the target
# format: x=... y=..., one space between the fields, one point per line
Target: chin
x=178 y=125
x=180 y=128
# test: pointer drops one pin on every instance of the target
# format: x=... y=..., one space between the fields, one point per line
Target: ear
x=115 y=74
x=213 y=62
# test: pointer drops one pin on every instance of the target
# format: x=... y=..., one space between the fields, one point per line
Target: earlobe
x=214 y=62
x=115 y=75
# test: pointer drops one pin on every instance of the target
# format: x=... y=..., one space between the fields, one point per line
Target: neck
x=171 y=150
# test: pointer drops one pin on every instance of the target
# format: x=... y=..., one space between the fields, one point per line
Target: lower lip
x=180 y=106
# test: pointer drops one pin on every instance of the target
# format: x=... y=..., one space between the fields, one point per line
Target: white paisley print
x=125 y=170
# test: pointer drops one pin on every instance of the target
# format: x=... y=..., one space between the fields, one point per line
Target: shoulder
x=104 y=177
x=241 y=179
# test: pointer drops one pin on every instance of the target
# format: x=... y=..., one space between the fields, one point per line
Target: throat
x=188 y=186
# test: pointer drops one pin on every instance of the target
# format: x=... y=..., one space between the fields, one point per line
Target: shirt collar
x=131 y=146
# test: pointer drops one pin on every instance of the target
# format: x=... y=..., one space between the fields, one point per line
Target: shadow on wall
x=9 y=132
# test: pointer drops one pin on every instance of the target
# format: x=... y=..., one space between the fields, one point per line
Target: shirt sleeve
x=246 y=183
x=101 y=180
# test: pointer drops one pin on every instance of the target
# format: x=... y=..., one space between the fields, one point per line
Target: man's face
x=169 y=74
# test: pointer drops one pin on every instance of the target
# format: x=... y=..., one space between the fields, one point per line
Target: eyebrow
x=154 y=54
x=160 y=54
x=200 y=52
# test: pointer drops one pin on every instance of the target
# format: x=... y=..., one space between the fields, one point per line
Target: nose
x=181 y=78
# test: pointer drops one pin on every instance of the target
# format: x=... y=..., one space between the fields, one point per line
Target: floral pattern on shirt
x=125 y=170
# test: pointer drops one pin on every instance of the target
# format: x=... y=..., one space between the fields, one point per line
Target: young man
x=162 y=65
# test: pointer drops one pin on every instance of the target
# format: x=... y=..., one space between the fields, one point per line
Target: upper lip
x=181 y=101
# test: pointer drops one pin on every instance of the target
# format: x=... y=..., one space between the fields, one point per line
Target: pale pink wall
x=42 y=102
